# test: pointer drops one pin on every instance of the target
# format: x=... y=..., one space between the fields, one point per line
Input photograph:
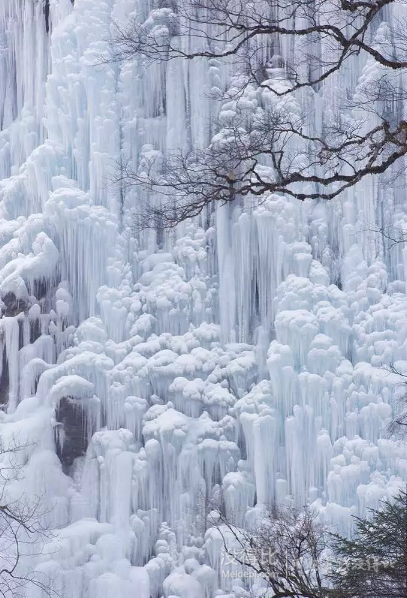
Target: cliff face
x=242 y=352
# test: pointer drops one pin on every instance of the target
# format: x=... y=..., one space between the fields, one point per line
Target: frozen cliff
x=144 y=372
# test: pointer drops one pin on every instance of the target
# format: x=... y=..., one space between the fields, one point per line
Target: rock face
x=238 y=358
x=46 y=15
x=71 y=438
x=12 y=306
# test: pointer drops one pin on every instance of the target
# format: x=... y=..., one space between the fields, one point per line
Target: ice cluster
x=244 y=354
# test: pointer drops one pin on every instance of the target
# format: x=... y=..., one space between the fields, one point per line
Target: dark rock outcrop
x=71 y=418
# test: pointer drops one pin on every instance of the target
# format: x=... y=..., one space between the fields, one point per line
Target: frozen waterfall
x=240 y=353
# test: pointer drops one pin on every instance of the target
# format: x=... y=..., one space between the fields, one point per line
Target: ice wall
x=240 y=355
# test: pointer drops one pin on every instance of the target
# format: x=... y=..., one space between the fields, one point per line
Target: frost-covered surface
x=242 y=352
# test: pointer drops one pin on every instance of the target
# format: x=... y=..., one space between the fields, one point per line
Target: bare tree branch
x=22 y=533
x=287 y=549
x=274 y=151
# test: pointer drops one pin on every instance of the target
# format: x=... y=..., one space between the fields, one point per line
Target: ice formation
x=243 y=352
